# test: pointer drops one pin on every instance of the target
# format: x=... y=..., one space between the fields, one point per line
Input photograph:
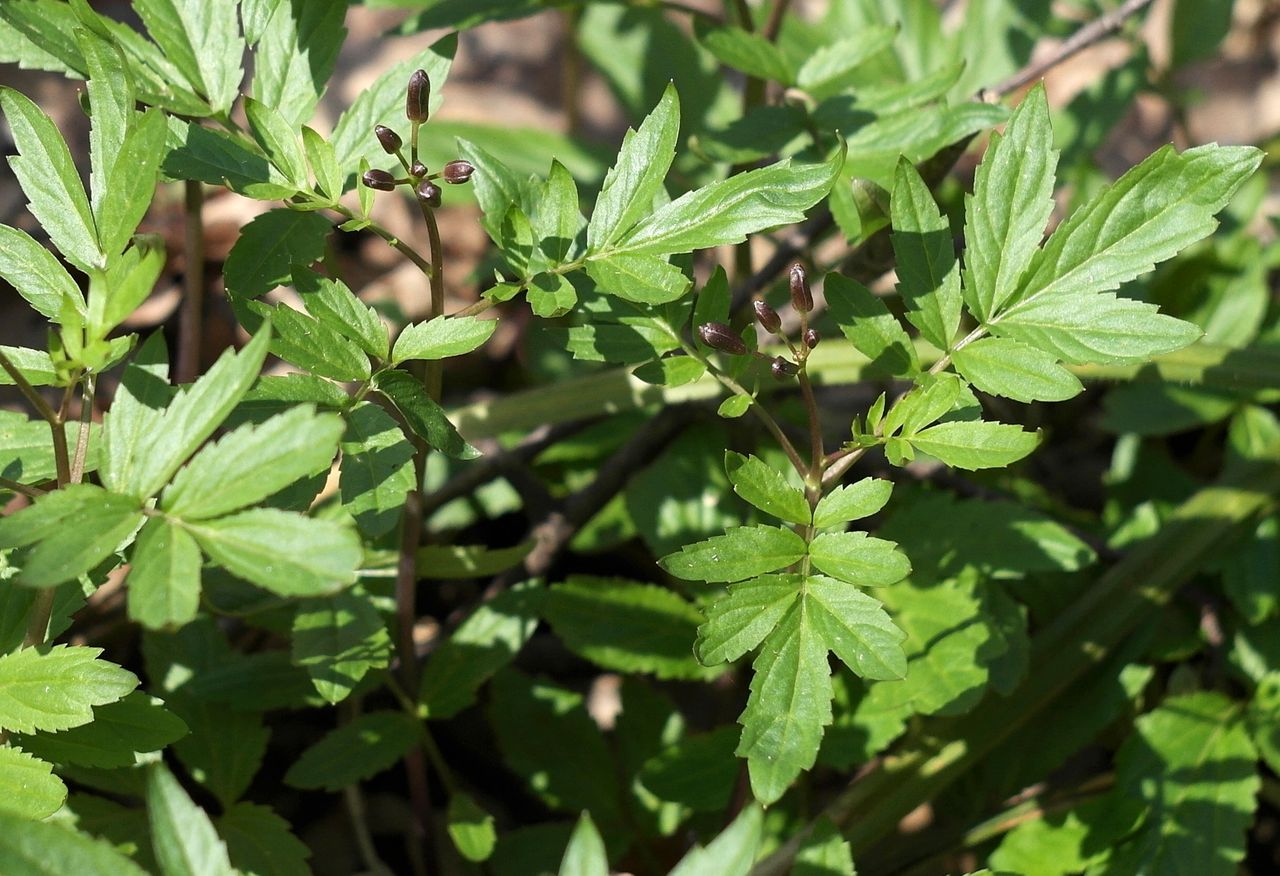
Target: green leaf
x=182 y=835
x=928 y=272
x=164 y=577
x=495 y=186
x=128 y=281
x=35 y=365
x=483 y=644
x=71 y=530
x=551 y=295
x=1008 y=368
x=28 y=787
x=143 y=446
x=852 y=502
x=975 y=444
x=282 y=552
x=626 y=626
x=734 y=406
x=133 y=182
x=382 y=103
x=37 y=275
x=859 y=559
x=738 y=622
x=208 y=155
x=824 y=852
x=635 y=180
x=323 y=162
x=855 y=627
x=743 y=552
x=766 y=489
x=699 y=772
x=833 y=67
x=866 y=322
x=450 y=562
x=645 y=279
x=442 y=337
x=789 y=705
x=119 y=732
x=39 y=848
x=56 y=689
x=356 y=751
x=201 y=37
x=1192 y=762
x=260 y=842
x=585 y=854
x=335 y=305
x=225 y=748
x=270 y=247
x=557 y=222
x=309 y=343
x=1086 y=327
x=470 y=828
x=1012 y=199
x=296 y=55
x=748 y=52
x=253 y=462
x=376 y=470
x=49 y=178
x=427 y=419
x=731 y=853
x=725 y=212
x=278 y=139
x=339 y=639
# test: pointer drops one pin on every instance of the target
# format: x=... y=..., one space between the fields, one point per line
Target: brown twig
x=191 y=319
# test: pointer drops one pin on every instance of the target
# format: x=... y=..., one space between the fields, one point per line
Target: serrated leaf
x=859 y=559
x=35 y=365
x=282 y=552
x=699 y=772
x=376 y=470
x=852 y=502
x=269 y=248
x=36 y=848
x=585 y=855
x=725 y=212
x=551 y=295
x=356 y=751
x=864 y=319
x=260 y=842
x=278 y=139
x=742 y=50
x=856 y=628
x=1012 y=199
x=766 y=489
x=626 y=626
x=738 y=622
x=932 y=397
x=56 y=689
x=295 y=56
x=636 y=177
x=253 y=462
x=427 y=419
x=28 y=787
x=48 y=177
x=928 y=271
x=37 y=275
x=495 y=186
x=310 y=343
x=164 y=576
x=450 y=562
x=975 y=444
x=134 y=174
x=208 y=155
x=645 y=279
x=339 y=639
x=742 y=552
x=70 y=531
x=182 y=835
x=1009 y=368
x=824 y=852
x=118 y=733
x=557 y=223
x=470 y=828
x=442 y=337
x=731 y=853
x=483 y=644
x=833 y=67
x=323 y=162
x=201 y=37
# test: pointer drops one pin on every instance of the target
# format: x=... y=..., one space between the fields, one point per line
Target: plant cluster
x=841 y=594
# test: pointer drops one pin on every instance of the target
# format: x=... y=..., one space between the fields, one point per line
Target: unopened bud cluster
x=721 y=337
x=418 y=176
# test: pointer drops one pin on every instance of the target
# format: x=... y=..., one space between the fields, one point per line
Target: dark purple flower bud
x=767 y=316
x=719 y=336
x=457 y=172
x=801 y=297
x=389 y=139
x=782 y=369
x=380 y=180
x=429 y=193
x=417 y=96
x=811 y=338
x=418 y=169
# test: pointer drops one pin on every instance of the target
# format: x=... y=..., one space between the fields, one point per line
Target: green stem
x=82 y=438
x=396 y=243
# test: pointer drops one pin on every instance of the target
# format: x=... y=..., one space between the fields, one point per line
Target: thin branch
x=25 y=489
x=82 y=438
x=191 y=319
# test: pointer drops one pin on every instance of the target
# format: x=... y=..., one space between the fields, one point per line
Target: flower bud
x=429 y=193
x=417 y=96
x=811 y=338
x=801 y=297
x=418 y=169
x=380 y=180
x=389 y=139
x=782 y=369
x=457 y=172
x=719 y=336
x=767 y=316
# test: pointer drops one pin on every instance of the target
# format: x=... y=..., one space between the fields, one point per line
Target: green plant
x=285 y=537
